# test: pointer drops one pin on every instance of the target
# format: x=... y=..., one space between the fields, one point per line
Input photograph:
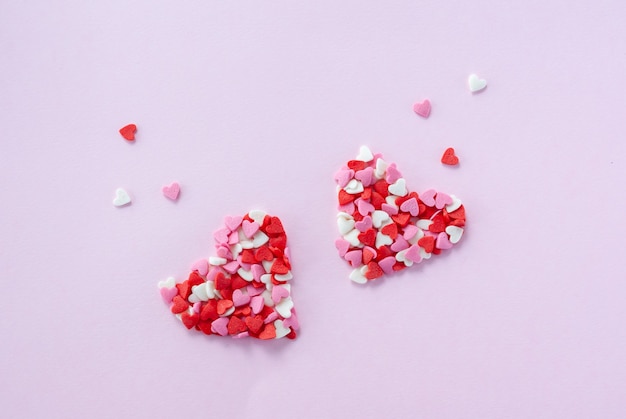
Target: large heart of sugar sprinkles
x=242 y=291
x=386 y=228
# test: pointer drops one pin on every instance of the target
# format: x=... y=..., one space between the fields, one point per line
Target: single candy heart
x=128 y=132
x=391 y=228
x=172 y=191
x=243 y=292
x=422 y=108
x=449 y=157
x=121 y=198
x=476 y=84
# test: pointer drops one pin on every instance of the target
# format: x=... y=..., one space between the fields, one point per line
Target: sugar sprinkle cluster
x=386 y=228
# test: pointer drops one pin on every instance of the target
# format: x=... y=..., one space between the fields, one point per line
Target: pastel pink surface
x=256 y=104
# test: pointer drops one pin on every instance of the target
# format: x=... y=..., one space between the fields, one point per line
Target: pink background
x=255 y=104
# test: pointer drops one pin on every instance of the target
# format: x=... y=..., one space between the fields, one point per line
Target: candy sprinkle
x=128 y=132
x=245 y=290
x=384 y=227
x=449 y=157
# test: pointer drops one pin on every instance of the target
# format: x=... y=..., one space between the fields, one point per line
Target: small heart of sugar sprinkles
x=245 y=291
x=128 y=132
x=172 y=191
x=475 y=83
x=385 y=227
x=121 y=198
x=449 y=157
x=422 y=108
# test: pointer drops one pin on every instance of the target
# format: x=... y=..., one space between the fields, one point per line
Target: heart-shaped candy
x=172 y=191
x=422 y=108
x=121 y=198
x=245 y=291
x=128 y=132
x=449 y=157
x=387 y=227
x=475 y=83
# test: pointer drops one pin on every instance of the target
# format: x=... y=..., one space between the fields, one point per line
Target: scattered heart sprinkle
x=422 y=108
x=121 y=198
x=449 y=157
x=128 y=132
x=386 y=228
x=172 y=191
x=476 y=84
x=244 y=291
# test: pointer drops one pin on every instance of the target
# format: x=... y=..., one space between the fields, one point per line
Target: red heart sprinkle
x=449 y=157
x=128 y=132
x=427 y=242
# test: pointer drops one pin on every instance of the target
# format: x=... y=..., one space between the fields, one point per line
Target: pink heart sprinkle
x=231 y=267
x=365 y=176
x=172 y=191
x=410 y=231
x=197 y=307
x=342 y=246
x=393 y=174
x=443 y=242
x=292 y=321
x=239 y=298
x=355 y=257
x=279 y=293
x=233 y=238
x=365 y=207
x=168 y=294
x=410 y=205
x=221 y=236
x=389 y=209
x=400 y=244
x=364 y=225
x=220 y=326
x=422 y=108
x=257 y=303
x=202 y=266
x=343 y=176
x=413 y=254
x=442 y=199
x=232 y=222
x=241 y=335
x=224 y=252
x=249 y=228
x=387 y=264
x=428 y=197
x=254 y=291
x=257 y=272
x=271 y=317
x=348 y=208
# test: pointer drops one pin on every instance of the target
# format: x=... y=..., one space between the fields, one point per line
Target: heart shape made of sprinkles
x=385 y=227
x=244 y=290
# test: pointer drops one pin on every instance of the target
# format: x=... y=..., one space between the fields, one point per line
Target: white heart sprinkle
x=476 y=84
x=378 y=217
x=358 y=275
x=217 y=261
x=455 y=233
x=353 y=238
x=121 y=198
x=244 y=274
x=398 y=188
x=257 y=215
x=354 y=187
x=200 y=292
x=259 y=239
x=456 y=203
x=284 y=307
x=365 y=154
x=170 y=282
x=382 y=240
x=285 y=277
x=345 y=225
x=401 y=257
x=281 y=330
x=381 y=168
x=423 y=224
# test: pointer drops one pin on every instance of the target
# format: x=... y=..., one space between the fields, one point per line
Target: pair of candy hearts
x=244 y=290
